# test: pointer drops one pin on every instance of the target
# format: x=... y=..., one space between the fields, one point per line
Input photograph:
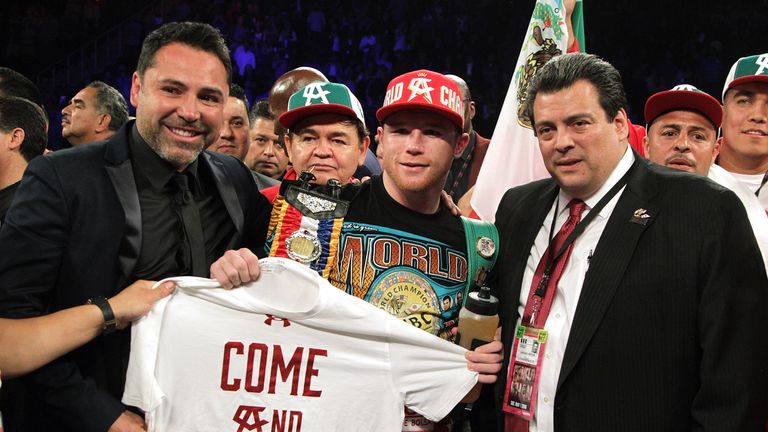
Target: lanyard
x=552 y=256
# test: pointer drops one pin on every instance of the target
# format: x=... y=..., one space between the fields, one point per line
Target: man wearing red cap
x=682 y=126
x=744 y=151
x=400 y=248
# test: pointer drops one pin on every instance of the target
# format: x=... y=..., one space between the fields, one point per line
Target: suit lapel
x=541 y=203
x=228 y=195
x=120 y=171
x=612 y=256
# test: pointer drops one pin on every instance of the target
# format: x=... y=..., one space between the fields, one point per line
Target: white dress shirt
x=561 y=314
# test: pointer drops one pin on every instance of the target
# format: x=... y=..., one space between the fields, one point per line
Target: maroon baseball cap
x=683 y=97
x=427 y=90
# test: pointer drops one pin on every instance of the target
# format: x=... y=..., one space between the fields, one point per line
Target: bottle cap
x=482 y=302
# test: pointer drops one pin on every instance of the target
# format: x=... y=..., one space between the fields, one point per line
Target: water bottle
x=478 y=320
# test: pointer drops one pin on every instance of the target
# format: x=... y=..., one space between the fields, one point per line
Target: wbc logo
x=420 y=87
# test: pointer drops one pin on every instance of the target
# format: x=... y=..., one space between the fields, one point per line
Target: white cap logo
x=761 y=61
x=315 y=91
x=420 y=87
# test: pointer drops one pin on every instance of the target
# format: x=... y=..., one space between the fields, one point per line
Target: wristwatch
x=110 y=323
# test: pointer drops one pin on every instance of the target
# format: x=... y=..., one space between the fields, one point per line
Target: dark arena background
x=63 y=45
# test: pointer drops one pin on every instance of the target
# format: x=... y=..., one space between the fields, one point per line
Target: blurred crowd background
x=63 y=45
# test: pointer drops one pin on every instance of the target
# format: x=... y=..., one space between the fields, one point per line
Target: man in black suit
x=145 y=204
x=657 y=318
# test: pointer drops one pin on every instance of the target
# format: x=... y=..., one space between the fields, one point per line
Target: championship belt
x=306 y=221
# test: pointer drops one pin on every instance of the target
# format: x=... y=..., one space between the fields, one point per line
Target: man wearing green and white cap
x=744 y=150
x=325 y=133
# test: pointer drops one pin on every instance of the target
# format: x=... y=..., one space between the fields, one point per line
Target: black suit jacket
x=669 y=330
x=74 y=232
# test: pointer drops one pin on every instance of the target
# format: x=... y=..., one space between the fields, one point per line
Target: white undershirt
x=568 y=288
x=755 y=209
x=753 y=182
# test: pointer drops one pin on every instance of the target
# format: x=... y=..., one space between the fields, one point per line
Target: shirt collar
x=625 y=163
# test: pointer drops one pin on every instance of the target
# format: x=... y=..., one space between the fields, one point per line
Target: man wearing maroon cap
x=682 y=126
x=744 y=151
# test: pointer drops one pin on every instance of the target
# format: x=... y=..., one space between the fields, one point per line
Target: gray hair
x=110 y=101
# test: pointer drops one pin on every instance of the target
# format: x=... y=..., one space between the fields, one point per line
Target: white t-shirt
x=289 y=352
x=755 y=210
x=753 y=182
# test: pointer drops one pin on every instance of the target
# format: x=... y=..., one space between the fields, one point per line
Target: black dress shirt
x=6 y=197
x=162 y=250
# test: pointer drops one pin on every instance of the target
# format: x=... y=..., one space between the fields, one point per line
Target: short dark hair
x=238 y=92
x=260 y=110
x=17 y=112
x=13 y=83
x=564 y=70
x=194 y=34
x=110 y=101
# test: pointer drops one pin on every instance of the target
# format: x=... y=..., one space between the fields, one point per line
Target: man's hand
x=137 y=299
x=128 y=422
x=449 y=204
x=486 y=360
x=235 y=268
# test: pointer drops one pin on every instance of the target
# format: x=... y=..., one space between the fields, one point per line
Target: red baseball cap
x=684 y=97
x=427 y=90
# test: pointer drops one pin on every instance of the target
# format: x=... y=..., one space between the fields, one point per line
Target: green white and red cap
x=321 y=98
x=746 y=70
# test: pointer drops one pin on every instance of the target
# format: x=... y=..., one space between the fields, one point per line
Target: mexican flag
x=513 y=156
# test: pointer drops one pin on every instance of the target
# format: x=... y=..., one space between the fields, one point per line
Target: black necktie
x=193 y=227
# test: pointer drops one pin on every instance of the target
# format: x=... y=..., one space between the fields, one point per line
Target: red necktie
x=543 y=305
